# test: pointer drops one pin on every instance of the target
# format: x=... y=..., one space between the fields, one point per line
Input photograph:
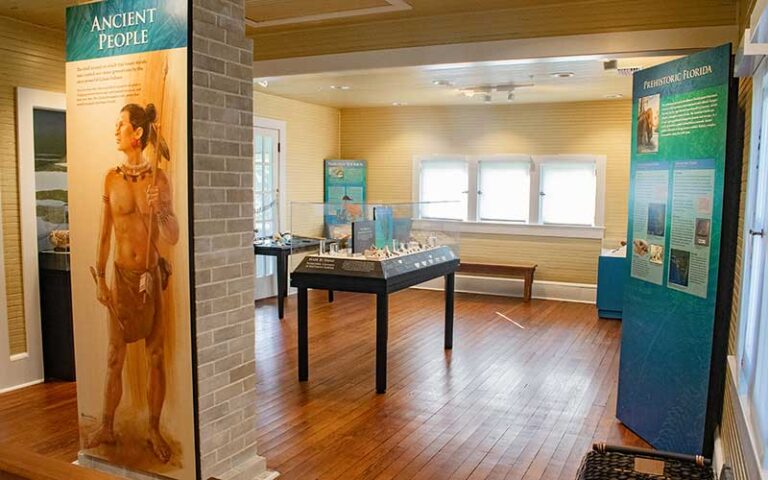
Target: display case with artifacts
x=383 y=250
x=382 y=242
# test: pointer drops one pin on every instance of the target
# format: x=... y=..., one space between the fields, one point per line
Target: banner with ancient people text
x=127 y=108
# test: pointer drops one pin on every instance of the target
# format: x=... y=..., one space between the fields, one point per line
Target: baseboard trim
x=23 y=385
x=513 y=287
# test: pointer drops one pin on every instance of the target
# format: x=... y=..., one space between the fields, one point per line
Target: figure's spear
x=160 y=149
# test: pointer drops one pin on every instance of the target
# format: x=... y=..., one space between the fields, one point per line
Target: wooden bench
x=517 y=271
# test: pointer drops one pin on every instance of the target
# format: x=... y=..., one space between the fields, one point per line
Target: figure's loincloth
x=136 y=312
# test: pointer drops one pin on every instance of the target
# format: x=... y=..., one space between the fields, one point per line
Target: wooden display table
x=376 y=277
x=281 y=251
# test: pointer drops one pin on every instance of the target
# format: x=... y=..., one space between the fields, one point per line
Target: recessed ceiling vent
x=627 y=71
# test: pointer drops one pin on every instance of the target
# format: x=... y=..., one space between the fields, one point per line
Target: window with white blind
x=504 y=187
x=568 y=191
x=559 y=195
x=443 y=182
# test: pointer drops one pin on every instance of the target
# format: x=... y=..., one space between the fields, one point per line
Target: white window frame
x=475 y=162
x=754 y=447
x=419 y=159
x=533 y=226
x=597 y=160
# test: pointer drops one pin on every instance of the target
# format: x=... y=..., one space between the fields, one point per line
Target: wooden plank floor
x=42 y=419
x=520 y=399
x=507 y=402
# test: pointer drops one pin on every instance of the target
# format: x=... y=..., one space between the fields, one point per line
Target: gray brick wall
x=222 y=97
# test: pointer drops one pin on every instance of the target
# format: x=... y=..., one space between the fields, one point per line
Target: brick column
x=222 y=97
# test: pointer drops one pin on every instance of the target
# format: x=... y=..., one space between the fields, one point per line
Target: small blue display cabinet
x=611 y=275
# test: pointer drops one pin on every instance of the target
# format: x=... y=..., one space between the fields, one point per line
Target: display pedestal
x=611 y=277
x=281 y=251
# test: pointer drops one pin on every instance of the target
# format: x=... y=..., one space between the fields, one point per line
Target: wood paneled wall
x=745 y=8
x=389 y=138
x=32 y=57
x=517 y=20
x=312 y=133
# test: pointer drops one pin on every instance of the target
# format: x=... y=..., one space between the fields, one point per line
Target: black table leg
x=303 y=336
x=382 y=312
x=282 y=283
x=330 y=296
x=449 y=291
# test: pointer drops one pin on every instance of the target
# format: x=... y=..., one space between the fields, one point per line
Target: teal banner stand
x=676 y=202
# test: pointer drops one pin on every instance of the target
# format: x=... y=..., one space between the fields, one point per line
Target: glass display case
x=372 y=248
x=371 y=240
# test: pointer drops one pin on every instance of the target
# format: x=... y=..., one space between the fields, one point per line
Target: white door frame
x=281 y=126
x=282 y=219
x=27 y=368
x=760 y=83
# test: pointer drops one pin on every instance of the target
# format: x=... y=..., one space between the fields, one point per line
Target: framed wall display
x=127 y=141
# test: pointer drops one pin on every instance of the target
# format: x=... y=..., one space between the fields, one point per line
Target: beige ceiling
x=261 y=10
x=445 y=22
x=48 y=13
x=414 y=85
x=266 y=10
x=51 y=13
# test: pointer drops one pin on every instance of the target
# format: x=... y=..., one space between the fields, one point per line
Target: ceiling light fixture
x=486 y=92
x=562 y=75
x=341 y=87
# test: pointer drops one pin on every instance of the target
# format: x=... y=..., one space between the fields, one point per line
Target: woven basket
x=607 y=462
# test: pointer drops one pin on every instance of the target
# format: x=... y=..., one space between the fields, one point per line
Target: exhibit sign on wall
x=345 y=190
x=127 y=138
x=677 y=173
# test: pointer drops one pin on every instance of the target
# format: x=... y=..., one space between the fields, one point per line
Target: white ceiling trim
x=393 y=6
x=620 y=44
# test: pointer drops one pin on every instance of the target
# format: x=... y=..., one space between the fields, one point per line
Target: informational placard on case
x=127 y=84
x=382 y=216
x=363 y=235
x=677 y=173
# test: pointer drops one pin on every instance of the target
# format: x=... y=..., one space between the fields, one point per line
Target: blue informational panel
x=345 y=181
x=345 y=191
x=679 y=131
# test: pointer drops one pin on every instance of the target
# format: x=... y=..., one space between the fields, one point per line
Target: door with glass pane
x=266 y=202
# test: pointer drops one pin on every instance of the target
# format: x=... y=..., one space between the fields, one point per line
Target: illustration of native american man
x=137 y=210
